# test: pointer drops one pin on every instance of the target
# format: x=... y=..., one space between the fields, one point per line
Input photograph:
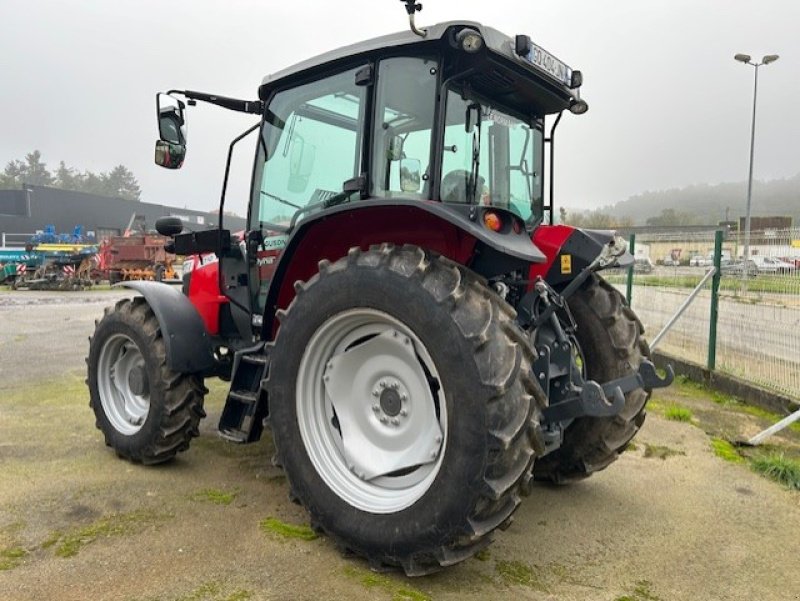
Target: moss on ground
x=68 y=544
x=10 y=558
x=725 y=450
x=285 y=530
x=518 y=573
x=215 y=496
x=398 y=590
x=641 y=592
x=660 y=452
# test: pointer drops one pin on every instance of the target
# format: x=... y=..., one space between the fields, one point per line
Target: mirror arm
x=255 y=107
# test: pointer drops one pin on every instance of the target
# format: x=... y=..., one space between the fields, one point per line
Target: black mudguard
x=187 y=343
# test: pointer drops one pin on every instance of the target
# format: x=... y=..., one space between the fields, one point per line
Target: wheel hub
x=137 y=381
x=391 y=402
x=388 y=440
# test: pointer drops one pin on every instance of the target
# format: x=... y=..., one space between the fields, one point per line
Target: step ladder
x=243 y=416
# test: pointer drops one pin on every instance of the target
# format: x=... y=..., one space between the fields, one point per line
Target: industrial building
x=27 y=211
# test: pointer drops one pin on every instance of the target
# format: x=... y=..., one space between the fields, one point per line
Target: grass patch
x=70 y=543
x=631 y=446
x=275 y=526
x=516 y=572
x=778 y=467
x=725 y=450
x=398 y=590
x=214 y=591
x=677 y=413
x=215 y=496
x=11 y=558
x=660 y=452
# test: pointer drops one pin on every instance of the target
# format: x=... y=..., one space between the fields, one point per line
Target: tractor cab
x=419 y=131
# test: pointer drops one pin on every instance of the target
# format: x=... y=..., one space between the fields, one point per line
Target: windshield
x=491 y=157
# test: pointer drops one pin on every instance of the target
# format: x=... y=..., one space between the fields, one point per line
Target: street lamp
x=745 y=58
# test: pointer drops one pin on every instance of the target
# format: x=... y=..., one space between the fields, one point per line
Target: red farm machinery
x=402 y=316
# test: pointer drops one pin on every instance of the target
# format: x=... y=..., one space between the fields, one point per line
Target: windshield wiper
x=281 y=200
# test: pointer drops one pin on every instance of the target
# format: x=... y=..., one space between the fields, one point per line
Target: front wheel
x=147 y=412
x=402 y=407
x=610 y=337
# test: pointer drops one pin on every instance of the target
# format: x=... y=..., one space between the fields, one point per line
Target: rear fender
x=187 y=343
x=569 y=251
x=453 y=231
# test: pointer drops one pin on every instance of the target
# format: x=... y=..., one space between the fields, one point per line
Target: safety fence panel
x=758 y=328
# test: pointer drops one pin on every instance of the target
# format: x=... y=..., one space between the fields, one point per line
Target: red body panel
x=549 y=239
x=331 y=238
x=204 y=294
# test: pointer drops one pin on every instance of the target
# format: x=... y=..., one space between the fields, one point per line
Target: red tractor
x=419 y=338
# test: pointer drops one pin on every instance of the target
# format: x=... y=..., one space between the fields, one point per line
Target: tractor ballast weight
x=421 y=343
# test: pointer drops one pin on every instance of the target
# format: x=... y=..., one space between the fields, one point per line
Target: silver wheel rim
x=371 y=410
x=120 y=360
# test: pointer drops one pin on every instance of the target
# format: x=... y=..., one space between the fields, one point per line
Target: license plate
x=544 y=61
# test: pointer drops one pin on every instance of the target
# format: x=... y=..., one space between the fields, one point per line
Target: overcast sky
x=668 y=104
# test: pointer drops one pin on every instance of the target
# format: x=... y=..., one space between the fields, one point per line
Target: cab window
x=401 y=151
x=310 y=146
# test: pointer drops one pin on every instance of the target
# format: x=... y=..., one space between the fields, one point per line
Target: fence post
x=712 y=326
x=629 y=291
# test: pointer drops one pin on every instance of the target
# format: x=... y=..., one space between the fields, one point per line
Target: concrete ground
x=669 y=521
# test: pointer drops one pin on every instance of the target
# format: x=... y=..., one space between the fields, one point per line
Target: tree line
x=119 y=182
x=700 y=204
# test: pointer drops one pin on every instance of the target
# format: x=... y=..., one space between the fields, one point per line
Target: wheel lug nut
x=433 y=453
x=403 y=412
x=375 y=393
x=403 y=397
x=438 y=439
x=395 y=421
x=394 y=385
x=376 y=408
x=383 y=384
x=384 y=419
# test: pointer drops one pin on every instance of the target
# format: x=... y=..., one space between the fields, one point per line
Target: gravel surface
x=77 y=523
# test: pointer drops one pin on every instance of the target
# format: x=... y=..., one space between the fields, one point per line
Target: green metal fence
x=745 y=322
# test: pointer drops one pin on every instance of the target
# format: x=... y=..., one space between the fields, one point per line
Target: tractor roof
x=551 y=77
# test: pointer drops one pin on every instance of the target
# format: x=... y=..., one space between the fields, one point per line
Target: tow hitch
x=594 y=400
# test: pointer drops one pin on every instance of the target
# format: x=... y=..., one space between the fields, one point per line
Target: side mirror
x=169 y=155
x=410 y=175
x=472 y=117
x=169 y=226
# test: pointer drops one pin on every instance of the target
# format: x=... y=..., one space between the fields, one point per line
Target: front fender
x=187 y=343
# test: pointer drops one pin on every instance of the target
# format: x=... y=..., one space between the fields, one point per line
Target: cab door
x=310 y=144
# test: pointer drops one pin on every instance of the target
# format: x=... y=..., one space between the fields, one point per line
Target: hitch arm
x=594 y=400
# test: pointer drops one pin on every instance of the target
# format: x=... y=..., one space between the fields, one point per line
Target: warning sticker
x=566 y=264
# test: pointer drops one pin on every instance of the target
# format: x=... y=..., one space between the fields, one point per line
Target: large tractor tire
x=402 y=407
x=147 y=412
x=611 y=342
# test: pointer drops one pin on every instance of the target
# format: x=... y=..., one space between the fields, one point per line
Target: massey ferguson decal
x=268 y=254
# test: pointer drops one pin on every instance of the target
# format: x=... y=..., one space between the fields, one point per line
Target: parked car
x=642 y=265
x=772 y=265
x=737 y=268
x=701 y=261
x=668 y=261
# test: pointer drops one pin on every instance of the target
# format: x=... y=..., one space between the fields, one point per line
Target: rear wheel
x=610 y=337
x=402 y=407
x=147 y=412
